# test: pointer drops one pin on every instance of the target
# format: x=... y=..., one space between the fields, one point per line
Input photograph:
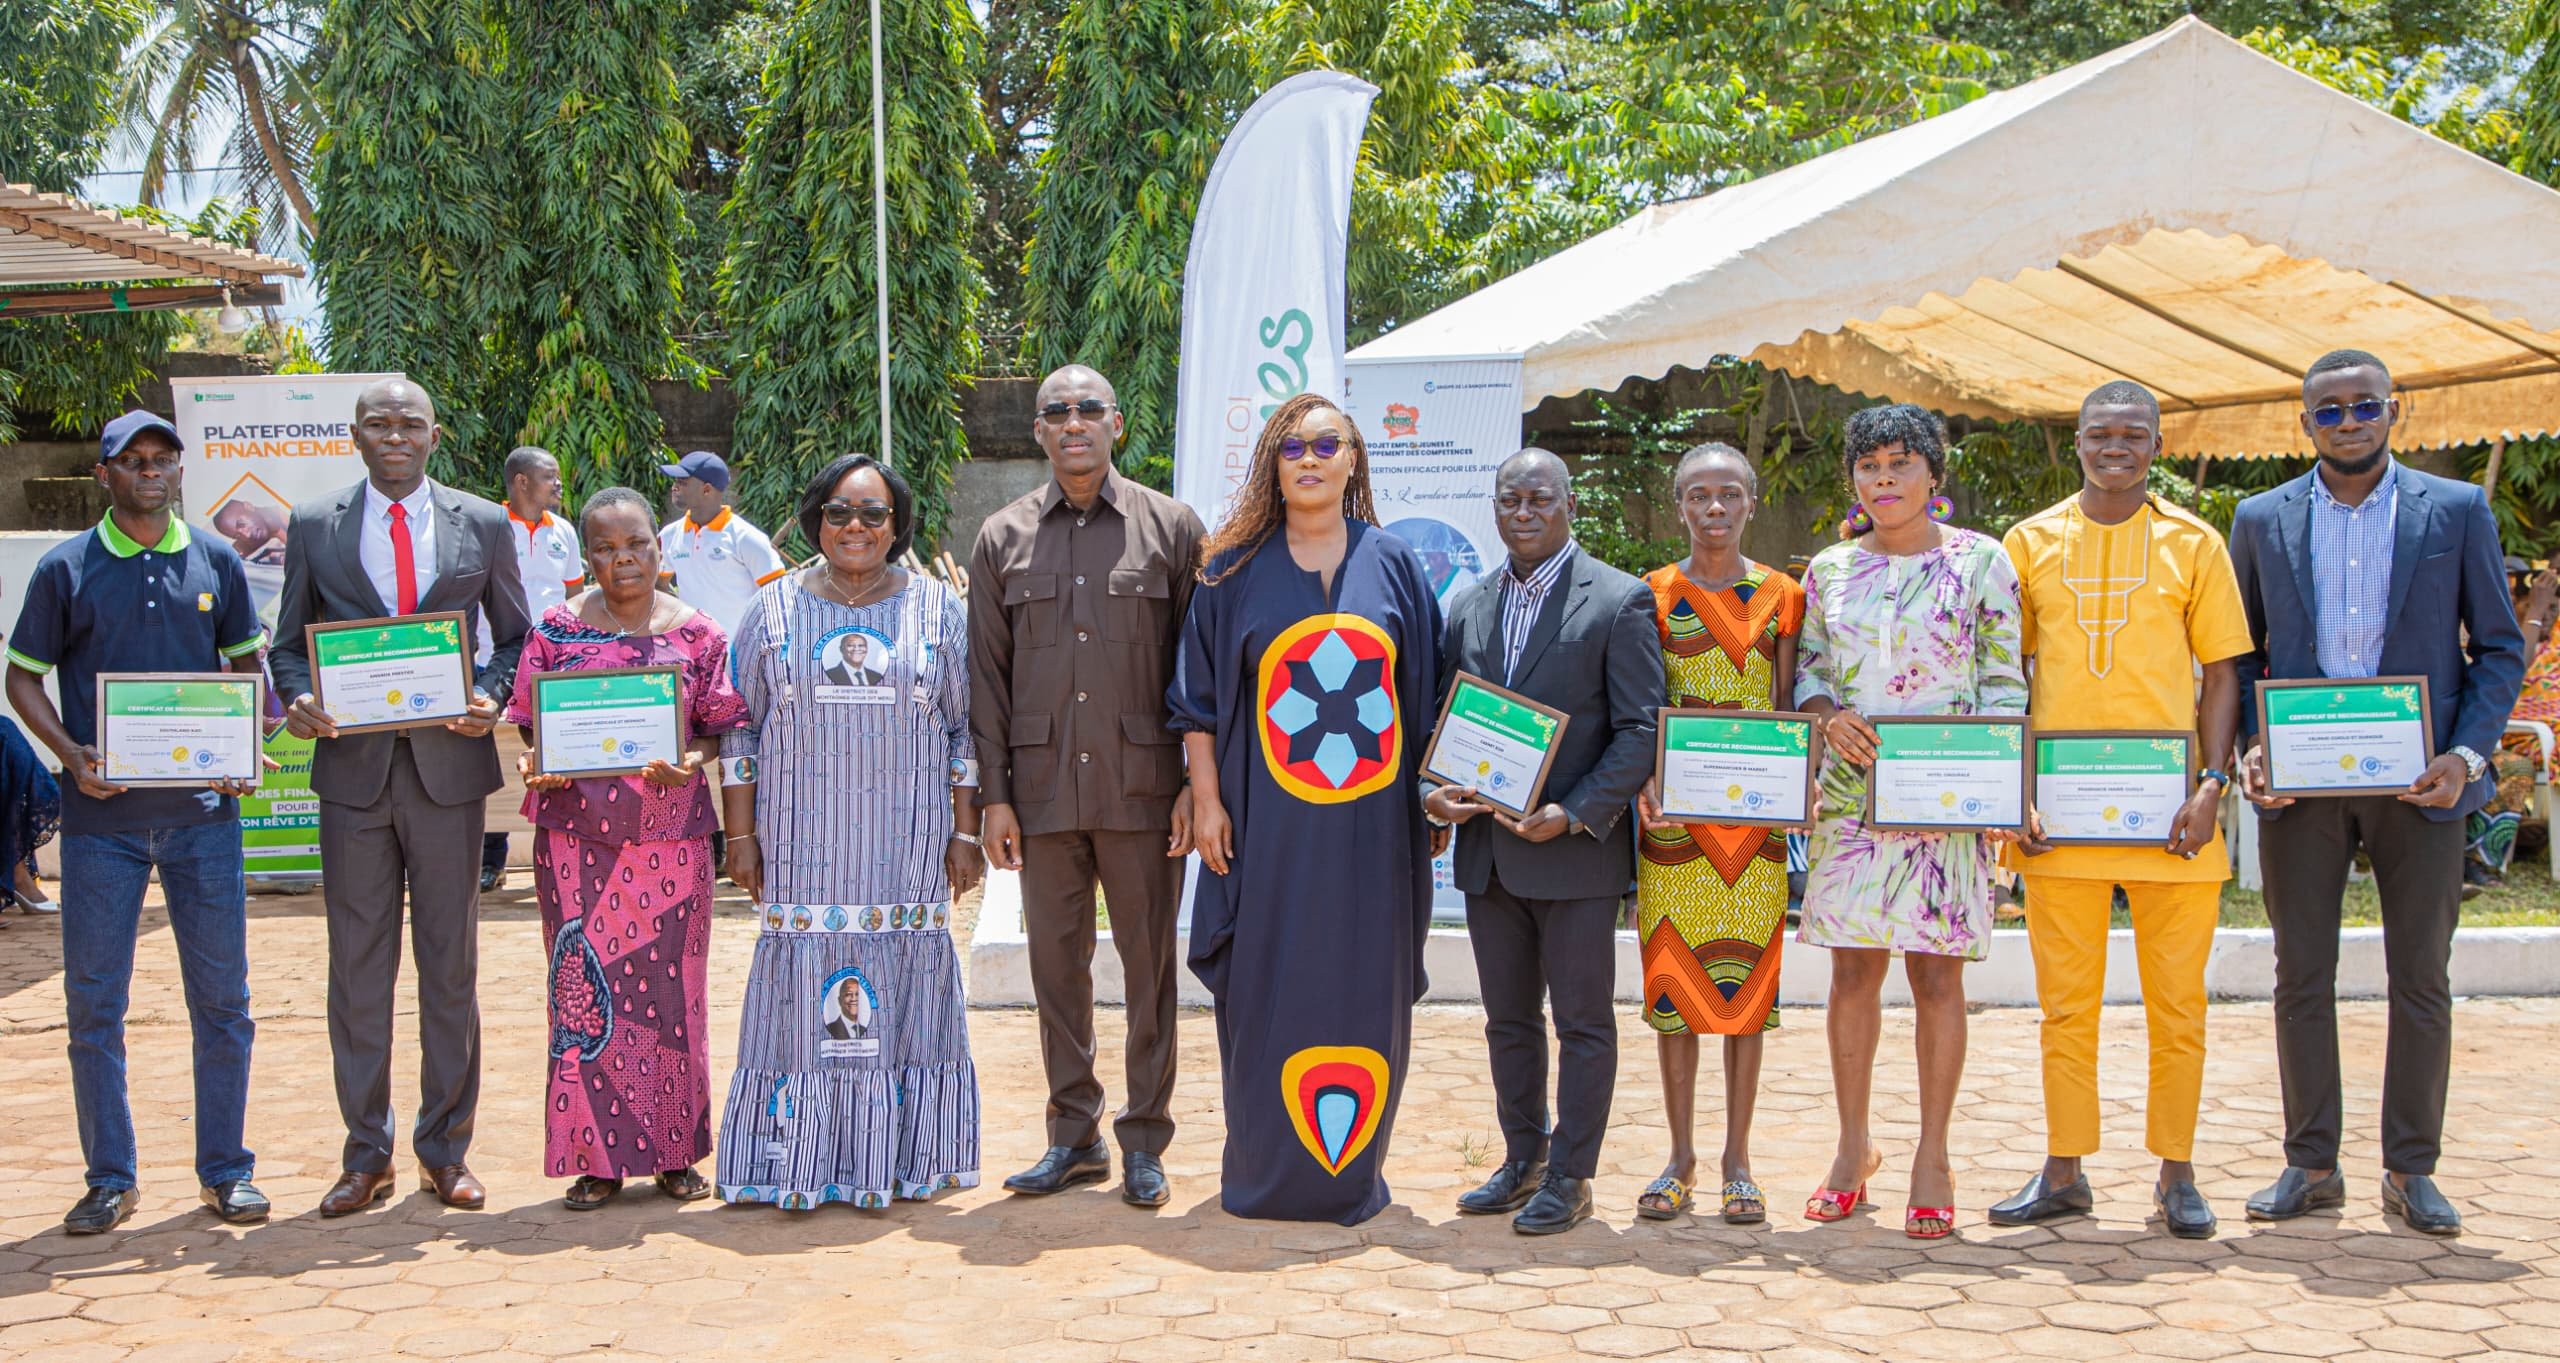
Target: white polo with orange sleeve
x=550 y=562
x=718 y=566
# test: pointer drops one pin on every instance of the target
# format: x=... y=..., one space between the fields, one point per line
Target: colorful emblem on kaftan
x=1334 y=1095
x=1330 y=733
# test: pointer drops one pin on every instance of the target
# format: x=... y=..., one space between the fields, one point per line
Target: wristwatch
x=2473 y=763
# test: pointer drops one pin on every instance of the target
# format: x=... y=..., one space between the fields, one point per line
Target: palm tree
x=245 y=62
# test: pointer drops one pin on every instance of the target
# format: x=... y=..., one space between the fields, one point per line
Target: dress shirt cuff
x=738 y=771
x=964 y=772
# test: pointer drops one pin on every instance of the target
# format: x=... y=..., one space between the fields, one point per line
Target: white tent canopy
x=2182 y=212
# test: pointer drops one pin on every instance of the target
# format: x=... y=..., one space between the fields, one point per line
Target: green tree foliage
x=601 y=146
x=1019 y=102
x=797 y=287
x=2539 y=93
x=247 y=64
x=1138 y=117
x=57 y=82
x=2424 y=90
x=417 y=249
x=2039 y=36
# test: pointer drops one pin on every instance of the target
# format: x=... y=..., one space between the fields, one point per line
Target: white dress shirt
x=374 y=550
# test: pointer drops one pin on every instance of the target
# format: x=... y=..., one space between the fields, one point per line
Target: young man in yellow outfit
x=2126 y=598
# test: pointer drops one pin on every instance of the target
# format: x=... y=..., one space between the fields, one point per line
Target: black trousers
x=2417 y=867
x=1529 y=951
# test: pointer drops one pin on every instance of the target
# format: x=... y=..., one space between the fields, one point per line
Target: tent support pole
x=2489 y=476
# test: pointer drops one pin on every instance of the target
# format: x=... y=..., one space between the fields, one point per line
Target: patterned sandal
x=1944 y=1216
x=1744 y=1190
x=1663 y=1199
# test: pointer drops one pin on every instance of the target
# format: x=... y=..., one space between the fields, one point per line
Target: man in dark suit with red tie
x=401 y=809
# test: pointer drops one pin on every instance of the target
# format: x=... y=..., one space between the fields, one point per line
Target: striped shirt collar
x=1541 y=577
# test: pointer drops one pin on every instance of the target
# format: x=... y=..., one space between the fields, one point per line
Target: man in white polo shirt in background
x=553 y=567
x=716 y=559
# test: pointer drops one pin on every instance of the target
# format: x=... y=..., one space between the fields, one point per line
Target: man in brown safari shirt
x=1076 y=598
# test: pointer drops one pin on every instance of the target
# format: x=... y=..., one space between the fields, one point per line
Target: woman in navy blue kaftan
x=1312 y=681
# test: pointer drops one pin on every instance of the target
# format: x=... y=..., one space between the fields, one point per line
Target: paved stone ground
x=981 y=1276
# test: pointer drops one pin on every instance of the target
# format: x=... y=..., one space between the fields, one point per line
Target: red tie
x=404 y=559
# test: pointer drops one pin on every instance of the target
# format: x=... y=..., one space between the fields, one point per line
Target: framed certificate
x=2112 y=787
x=1736 y=766
x=612 y=721
x=179 y=728
x=1499 y=742
x=2345 y=736
x=391 y=674
x=1948 y=773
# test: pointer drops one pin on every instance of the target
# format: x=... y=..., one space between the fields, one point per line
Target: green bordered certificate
x=2112 y=787
x=179 y=728
x=1500 y=742
x=612 y=721
x=391 y=674
x=1736 y=766
x=2331 y=736
x=1948 y=774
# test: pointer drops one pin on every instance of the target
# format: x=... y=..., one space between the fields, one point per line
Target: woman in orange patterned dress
x=1711 y=900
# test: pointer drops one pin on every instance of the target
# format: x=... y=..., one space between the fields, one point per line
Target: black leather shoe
x=490 y=876
x=1560 y=1205
x=1142 y=1181
x=2040 y=1202
x=2184 y=1211
x=1062 y=1168
x=238 y=1201
x=100 y=1211
x=2419 y=1204
x=2297 y=1192
x=1508 y=1190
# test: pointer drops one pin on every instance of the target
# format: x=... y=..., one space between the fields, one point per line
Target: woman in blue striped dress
x=850 y=818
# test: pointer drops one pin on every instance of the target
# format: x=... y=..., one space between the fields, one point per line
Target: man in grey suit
x=2366 y=567
x=401 y=808
x=1543 y=889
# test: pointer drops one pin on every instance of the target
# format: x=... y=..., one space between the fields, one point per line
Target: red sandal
x=1831 y=1204
x=1913 y=1216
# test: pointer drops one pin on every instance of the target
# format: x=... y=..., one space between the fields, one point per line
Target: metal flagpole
x=880 y=224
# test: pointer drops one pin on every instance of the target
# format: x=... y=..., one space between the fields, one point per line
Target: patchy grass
x=2528 y=900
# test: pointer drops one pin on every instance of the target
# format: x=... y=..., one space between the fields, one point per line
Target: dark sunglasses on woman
x=1293 y=449
x=841 y=513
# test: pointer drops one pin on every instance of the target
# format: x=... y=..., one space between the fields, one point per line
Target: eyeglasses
x=1292 y=449
x=841 y=513
x=1091 y=409
x=2371 y=409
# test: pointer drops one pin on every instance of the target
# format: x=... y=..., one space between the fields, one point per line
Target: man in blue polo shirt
x=141 y=594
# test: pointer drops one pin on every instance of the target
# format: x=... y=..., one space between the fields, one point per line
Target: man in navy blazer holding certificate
x=1543 y=889
x=2366 y=567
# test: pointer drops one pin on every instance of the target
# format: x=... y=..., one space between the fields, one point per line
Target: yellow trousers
x=2173 y=926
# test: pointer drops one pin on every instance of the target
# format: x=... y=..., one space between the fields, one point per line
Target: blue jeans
x=103 y=877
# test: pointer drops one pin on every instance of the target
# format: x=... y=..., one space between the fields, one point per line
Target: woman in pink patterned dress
x=623 y=868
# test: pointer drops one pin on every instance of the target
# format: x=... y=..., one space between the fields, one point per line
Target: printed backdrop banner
x=1262 y=293
x=256 y=446
x=1436 y=430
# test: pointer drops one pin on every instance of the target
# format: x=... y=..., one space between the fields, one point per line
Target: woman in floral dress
x=1908 y=617
x=622 y=865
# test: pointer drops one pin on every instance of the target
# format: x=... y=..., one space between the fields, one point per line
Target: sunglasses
x=1292 y=449
x=2371 y=409
x=1091 y=409
x=841 y=513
